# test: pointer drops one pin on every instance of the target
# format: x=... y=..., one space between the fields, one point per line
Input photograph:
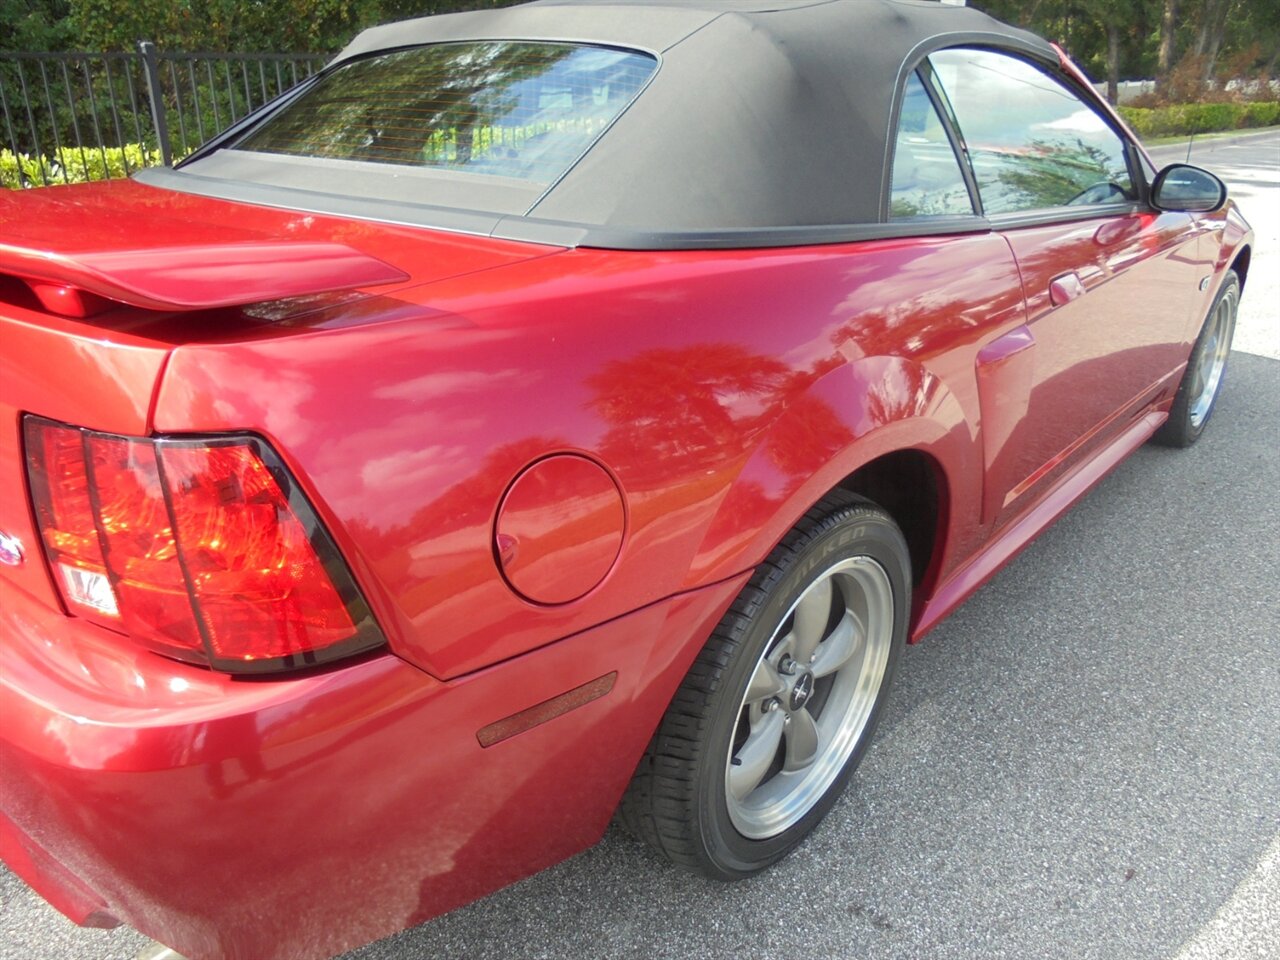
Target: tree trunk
x=1113 y=63
x=1208 y=16
x=1217 y=30
x=1168 y=26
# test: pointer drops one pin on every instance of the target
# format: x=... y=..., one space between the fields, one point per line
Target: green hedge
x=1184 y=119
x=71 y=165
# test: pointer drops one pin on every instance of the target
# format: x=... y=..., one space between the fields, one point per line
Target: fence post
x=161 y=122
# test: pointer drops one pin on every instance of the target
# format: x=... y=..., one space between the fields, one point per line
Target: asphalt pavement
x=1082 y=762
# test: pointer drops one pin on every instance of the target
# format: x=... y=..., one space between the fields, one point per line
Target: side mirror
x=1182 y=188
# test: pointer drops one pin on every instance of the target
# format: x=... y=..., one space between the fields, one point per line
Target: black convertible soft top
x=765 y=119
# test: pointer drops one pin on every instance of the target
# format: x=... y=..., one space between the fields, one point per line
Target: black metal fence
x=87 y=116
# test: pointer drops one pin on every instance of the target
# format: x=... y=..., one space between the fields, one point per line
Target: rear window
x=526 y=111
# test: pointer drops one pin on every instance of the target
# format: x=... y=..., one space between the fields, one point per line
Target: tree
x=1112 y=38
x=1117 y=18
x=1142 y=38
x=36 y=25
x=319 y=26
x=1168 y=34
x=1209 y=35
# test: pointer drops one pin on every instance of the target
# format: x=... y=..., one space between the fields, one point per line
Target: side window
x=927 y=181
x=1032 y=142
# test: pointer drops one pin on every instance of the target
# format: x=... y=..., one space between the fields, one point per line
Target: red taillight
x=261 y=587
x=60 y=486
x=140 y=547
x=203 y=550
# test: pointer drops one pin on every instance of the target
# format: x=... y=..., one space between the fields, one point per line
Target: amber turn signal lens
x=59 y=479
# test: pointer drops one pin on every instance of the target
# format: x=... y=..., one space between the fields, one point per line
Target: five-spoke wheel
x=810 y=697
x=778 y=708
x=1202 y=382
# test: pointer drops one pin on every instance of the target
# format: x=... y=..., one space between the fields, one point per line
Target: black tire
x=850 y=553
x=1197 y=396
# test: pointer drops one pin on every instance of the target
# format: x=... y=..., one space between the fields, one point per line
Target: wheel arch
x=911 y=486
x=1241 y=264
x=1236 y=249
x=905 y=446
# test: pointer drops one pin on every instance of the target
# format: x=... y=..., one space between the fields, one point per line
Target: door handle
x=1065 y=288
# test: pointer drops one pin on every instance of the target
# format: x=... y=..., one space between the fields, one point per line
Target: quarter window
x=1032 y=142
x=927 y=181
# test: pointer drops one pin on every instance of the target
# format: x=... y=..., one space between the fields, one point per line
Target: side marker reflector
x=540 y=713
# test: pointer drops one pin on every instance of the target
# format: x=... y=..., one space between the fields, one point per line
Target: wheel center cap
x=801 y=692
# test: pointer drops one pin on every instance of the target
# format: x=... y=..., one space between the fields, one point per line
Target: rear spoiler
x=192 y=277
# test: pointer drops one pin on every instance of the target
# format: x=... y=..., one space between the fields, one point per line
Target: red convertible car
x=546 y=414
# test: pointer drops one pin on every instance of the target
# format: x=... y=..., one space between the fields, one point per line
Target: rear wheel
x=1202 y=380
x=780 y=705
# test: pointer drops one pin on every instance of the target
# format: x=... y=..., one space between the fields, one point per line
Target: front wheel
x=1202 y=380
x=780 y=705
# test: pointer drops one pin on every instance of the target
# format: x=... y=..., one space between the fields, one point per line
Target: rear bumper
x=299 y=818
x=50 y=879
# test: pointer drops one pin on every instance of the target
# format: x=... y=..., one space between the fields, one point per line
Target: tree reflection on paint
x=695 y=407
x=682 y=405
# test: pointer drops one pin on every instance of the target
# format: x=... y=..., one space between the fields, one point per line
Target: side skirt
x=1010 y=541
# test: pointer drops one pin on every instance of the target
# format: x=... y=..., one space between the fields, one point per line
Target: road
x=1080 y=763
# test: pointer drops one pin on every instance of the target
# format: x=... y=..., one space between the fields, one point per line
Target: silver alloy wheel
x=1212 y=359
x=810 y=698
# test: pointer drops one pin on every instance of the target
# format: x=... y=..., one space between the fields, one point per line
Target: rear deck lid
x=100 y=282
x=168 y=251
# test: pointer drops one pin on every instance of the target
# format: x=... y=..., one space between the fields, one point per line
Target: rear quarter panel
x=725 y=390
